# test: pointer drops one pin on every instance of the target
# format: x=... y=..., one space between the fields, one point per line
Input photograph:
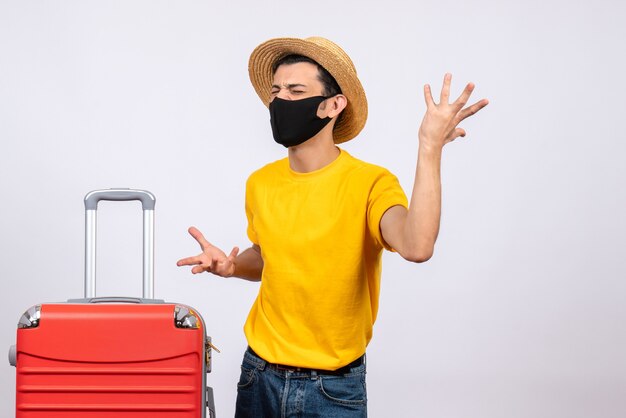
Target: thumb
x=233 y=254
x=458 y=132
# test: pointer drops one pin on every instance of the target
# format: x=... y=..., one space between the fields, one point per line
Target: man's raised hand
x=439 y=125
x=211 y=259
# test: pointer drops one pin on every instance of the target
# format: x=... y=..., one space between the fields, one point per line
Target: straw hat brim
x=328 y=55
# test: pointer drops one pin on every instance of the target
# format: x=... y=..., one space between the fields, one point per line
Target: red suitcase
x=113 y=357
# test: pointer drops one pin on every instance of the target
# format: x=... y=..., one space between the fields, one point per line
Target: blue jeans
x=267 y=390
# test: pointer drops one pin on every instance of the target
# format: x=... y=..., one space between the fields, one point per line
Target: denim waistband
x=348 y=368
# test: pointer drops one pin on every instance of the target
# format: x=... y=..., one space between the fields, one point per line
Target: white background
x=521 y=311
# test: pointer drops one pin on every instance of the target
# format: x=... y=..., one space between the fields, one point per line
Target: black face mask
x=295 y=121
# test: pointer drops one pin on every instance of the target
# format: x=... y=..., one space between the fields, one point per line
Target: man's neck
x=313 y=154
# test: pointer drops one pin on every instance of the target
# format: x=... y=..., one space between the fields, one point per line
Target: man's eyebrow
x=289 y=86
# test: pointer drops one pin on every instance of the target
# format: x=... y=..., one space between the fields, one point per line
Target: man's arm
x=248 y=265
x=413 y=232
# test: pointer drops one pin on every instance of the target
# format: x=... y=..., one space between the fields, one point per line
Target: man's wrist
x=427 y=148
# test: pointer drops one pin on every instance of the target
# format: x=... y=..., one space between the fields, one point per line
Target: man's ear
x=333 y=106
x=337 y=104
x=340 y=103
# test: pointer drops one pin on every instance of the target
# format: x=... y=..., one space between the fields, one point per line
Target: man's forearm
x=423 y=218
x=249 y=265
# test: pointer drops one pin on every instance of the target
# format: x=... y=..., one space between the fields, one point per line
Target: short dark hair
x=331 y=88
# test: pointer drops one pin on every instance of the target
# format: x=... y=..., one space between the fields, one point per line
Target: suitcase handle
x=116 y=299
x=147 y=199
x=91 y=207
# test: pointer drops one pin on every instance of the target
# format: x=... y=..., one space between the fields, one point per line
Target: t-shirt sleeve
x=385 y=193
x=252 y=235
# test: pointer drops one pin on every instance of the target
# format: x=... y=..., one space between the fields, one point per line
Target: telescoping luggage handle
x=91 y=207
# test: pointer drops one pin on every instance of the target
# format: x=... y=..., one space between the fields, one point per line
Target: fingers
x=473 y=109
x=197 y=269
x=428 y=97
x=216 y=264
x=197 y=235
x=445 y=90
x=457 y=132
x=189 y=261
x=212 y=267
x=464 y=97
x=233 y=254
x=201 y=263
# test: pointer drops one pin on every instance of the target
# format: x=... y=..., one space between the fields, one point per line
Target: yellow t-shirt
x=321 y=246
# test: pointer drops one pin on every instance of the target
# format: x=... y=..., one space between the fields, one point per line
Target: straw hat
x=328 y=55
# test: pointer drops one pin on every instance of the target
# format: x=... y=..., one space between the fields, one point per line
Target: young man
x=318 y=221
